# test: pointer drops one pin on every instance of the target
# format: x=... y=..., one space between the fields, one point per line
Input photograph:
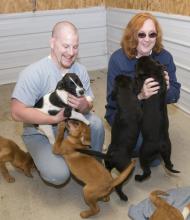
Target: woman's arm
x=173 y=93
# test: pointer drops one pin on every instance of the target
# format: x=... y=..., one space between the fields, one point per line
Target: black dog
x=155 y=122
x=53 y=102
x=125 y=128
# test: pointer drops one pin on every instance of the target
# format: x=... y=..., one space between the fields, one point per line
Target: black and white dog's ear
x=78 y=81
x=59 y=84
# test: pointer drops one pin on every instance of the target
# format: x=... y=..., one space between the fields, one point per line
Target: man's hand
x=79 y=103
x=150 y=87
x=59 y=117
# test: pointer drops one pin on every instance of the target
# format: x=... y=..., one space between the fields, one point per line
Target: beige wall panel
x=12 y=6
x=170 y=6
x=167 y=6
x=63 y=4
x=127 y=4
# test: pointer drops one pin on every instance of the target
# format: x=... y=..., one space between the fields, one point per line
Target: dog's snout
x=81 y=92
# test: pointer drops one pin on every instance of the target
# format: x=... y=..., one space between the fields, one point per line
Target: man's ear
x=52 y=42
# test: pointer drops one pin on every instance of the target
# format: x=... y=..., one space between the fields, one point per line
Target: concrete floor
x=31 y=198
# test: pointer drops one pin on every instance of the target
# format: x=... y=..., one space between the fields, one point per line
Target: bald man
x=37 y=80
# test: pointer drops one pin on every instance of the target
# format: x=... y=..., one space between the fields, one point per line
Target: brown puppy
x=164 y=210
x=98 y=181
x=10 y=152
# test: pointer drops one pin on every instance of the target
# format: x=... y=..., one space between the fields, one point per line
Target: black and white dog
x=53 y=102
x=155 y=121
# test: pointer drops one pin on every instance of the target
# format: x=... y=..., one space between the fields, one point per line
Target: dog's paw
x=170 y=168
x=133 y=162
x=67 y=112
x=121 y=194
x=106 y=199
x=10 y=179
x=90 y=212
x=56 y=150
x=84 y=214
x=28 y=174
x=123 y=197
x=61 y=127
x=140 y=178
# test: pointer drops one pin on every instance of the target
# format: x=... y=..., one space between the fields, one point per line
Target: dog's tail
x=156 y=200
x=94 y=153
x=186 y=211
x=124 y=174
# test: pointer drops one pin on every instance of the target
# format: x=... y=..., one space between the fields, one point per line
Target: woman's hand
x=150 y=87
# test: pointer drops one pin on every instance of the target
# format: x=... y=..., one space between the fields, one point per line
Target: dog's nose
x=81 y=92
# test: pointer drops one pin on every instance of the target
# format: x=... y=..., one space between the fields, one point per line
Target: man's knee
x=96 y=123
x=56 y=178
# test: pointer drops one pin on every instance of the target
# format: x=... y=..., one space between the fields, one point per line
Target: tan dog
x=98 y=181
x=164 y=210
x=10 y=152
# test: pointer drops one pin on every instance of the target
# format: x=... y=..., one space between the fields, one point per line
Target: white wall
x=24 y=38
x=176 y=31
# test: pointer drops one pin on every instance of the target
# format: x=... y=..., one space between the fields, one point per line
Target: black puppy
x=53 y=102
x=125 y=128
x=155 y=122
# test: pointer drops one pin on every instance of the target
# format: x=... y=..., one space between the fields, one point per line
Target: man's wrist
x=89 y=107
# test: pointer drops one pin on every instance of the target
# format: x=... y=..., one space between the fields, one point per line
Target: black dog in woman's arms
x=155 y=123
x=53 y=102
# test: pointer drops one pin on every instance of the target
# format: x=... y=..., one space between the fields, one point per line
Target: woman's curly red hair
x=129 y=40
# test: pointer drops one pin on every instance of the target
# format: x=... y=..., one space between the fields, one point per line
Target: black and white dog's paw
x=67 y=112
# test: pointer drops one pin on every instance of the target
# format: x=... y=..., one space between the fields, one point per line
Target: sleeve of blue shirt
x=113 y=71
x=174 y=90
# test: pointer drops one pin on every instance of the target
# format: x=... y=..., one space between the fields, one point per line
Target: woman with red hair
x=142 y=37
